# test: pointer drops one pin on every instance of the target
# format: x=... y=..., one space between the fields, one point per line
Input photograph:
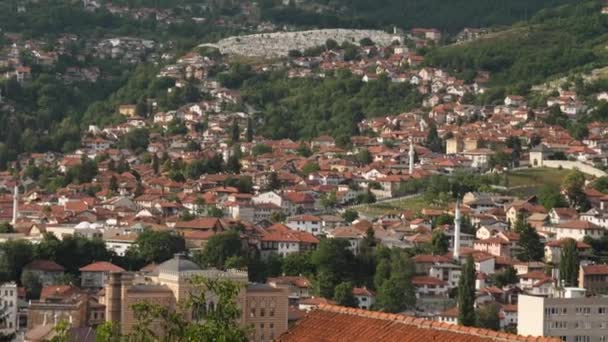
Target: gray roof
x=179 y=263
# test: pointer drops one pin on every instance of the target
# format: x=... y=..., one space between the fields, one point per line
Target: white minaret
x=457 y=231
x=411 y=156
x=15 y=205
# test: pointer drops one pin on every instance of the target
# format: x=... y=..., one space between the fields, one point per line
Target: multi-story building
x=594 y=278
x=263 y=307
x=8 y=308
x=571 y=316
x=95 y=275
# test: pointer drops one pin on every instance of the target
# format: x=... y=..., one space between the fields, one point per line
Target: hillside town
x=390 y=226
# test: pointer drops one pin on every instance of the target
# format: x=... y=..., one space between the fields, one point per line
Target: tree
x=466 y=294
x=259 y=149
x=108 y=332
x=343 y=295
x=277 y=216
x=439 y=242
x=249 y=131
x=366 y=42
x=530 y=246
x=550 y=197
x=433 y=140
x=113 y=186
x=32 y=284
x=310 y=167
x=6 y=228
x=14 y=255
x=364 y=157
x=235 y=132
x=136 y=140
x=349 y=215
x=218 y=322
x=335 y=263
x=220 y=248
x=487 y=317
x=329 y=200
x=506 y=277
x=273 y=182
x=214 y=211
x=157 y=246
x=573 y=185
x=296 y=264
x=569 y=263
x=155 y=164
x=331 y=44
x=397 y=293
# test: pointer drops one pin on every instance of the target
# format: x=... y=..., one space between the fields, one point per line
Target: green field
x=415 y=204
x=522 y=183
x=537 y=176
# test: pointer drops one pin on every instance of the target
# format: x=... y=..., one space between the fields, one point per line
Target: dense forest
x=449 y=16
x=554 y=41
x=306 y=108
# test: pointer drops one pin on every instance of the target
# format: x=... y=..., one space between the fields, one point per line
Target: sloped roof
x=101 y=266
x=44 y=265
x=336 y=323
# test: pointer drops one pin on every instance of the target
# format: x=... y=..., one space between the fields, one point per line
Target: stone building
x=264 y=308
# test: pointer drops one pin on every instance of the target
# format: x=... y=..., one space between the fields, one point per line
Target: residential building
x=9 y=308
x=594 y=279
x=96 y=275
x=48 y=272
x=281 y=240
x=366 y=298
x=571 y=317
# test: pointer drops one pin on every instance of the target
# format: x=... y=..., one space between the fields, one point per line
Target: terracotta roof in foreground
x=335 y=323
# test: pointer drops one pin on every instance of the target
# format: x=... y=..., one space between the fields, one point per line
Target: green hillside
x=553 y=42
x=451 y=15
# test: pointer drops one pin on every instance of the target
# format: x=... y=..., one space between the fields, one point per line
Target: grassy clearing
x=415 y=204
x=537 y=177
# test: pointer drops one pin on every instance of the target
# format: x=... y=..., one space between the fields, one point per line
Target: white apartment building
x=571 y=317
x=8 y=308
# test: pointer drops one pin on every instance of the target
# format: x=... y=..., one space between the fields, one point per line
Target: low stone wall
x=571 y=165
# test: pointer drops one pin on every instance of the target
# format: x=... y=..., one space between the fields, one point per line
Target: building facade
x=572 y=318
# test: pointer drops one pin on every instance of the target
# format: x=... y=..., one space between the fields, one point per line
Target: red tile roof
x=335 y=323
x=595 y=269
x=101 y=266
x=57 y=291
x=44 y=265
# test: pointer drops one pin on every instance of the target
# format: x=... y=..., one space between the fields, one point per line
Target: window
x=271 y=313
x=262 y=312
x=252 y=312
x=582 y=339
x=601 y=311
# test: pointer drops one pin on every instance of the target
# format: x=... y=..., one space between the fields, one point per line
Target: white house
x=365 y=297
x=306 y=223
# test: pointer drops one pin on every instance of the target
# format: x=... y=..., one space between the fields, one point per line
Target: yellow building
x=264 y=308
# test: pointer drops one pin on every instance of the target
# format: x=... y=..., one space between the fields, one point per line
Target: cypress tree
x=249 y=130
x=235 y=131
x=569 y=263
x=466 y=294
x=155 y=164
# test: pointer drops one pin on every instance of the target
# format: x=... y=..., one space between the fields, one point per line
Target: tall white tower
x=15 y=205
x=411 y=156
x=457 y=231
